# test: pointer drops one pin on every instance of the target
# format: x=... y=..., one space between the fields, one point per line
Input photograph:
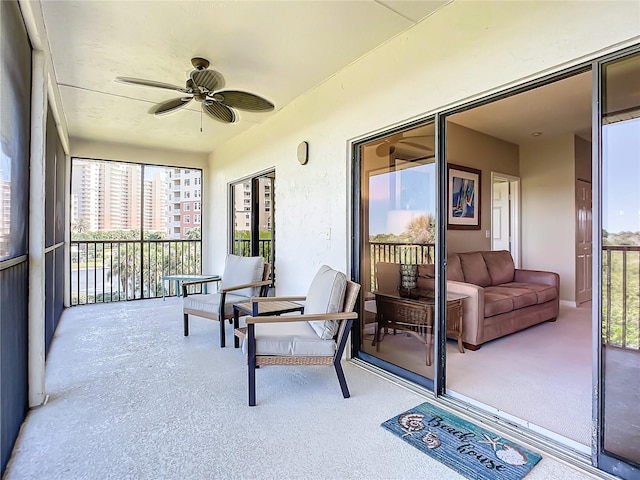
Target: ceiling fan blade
x=209 y=79
x=219 y=112
x=244 y=101
x=171 y=106
x=150 y=83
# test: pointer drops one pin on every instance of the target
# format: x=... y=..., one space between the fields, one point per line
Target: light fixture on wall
x=303 y=153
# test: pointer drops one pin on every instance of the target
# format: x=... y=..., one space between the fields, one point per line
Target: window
x=196 y=206
x=186 y=207
x=186 y=219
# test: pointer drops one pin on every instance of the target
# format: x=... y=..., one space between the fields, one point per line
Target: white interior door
x=500 y=216
x=584 y=253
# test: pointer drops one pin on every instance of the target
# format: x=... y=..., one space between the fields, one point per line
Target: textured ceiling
x=276 y=49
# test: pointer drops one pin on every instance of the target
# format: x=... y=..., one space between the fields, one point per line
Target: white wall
x=547 y=170
x=128 y=153
x=464 y=51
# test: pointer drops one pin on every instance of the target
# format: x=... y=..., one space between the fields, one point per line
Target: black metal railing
x=403 y=253
x=116 y=270
x=407 y=253
x=242 y=247
x=621 y=296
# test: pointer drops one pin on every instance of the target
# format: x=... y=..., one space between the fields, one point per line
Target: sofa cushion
x=500 y=266
x=241 y=270
x=474 y=269
x=291 y=338
x=496 y=303
x=522 y=297
x=454 y=268
x=544 y=293
x=326 y=295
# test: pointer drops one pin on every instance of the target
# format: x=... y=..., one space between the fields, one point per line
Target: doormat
x=464 y=447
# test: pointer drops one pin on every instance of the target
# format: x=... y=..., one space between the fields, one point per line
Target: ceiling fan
x=389 y=145
x=203 y=86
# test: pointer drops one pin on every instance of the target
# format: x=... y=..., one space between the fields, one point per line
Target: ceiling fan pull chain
x=201 y=108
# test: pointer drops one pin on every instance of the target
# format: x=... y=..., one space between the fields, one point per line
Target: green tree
x=421 y=229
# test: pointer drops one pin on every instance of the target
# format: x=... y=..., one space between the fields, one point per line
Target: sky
x=621 y=176
x=397 y=197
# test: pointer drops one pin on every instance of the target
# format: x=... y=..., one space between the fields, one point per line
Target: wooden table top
x=270 y=308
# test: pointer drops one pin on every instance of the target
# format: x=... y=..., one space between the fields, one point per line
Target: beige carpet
x=541 y=375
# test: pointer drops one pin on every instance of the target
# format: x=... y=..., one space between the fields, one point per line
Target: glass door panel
x=253 y=225
x=620 y=341
x=397 y=225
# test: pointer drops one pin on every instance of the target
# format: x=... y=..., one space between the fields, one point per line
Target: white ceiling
x=276 y=49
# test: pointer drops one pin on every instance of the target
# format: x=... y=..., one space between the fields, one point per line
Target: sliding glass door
x=397 y=238
x=619 y=447
x=252 y=216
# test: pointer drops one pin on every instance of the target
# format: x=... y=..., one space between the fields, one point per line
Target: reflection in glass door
x=397 y=245
x=620 y=340
x=253 y=227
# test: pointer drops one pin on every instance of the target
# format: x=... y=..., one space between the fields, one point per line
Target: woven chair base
x=263 y=360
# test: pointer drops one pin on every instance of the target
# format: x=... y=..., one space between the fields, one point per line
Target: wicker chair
x=243 y=278
x=306 y=339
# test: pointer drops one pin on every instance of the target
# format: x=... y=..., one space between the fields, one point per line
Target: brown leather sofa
x=501 y=299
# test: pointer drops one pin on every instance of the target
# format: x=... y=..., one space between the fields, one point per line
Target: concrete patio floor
x=131 y=397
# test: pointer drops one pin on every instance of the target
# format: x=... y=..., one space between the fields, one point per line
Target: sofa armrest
x=472 y=310
x=537 y=276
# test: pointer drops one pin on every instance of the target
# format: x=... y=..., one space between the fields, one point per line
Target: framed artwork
x=463 y=209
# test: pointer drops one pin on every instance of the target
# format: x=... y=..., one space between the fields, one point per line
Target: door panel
x=619 y=442
x=584 y=245
x=501 y=217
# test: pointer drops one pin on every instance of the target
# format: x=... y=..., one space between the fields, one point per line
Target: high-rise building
x=110 y=196
x=5 y=216
x=184 y=191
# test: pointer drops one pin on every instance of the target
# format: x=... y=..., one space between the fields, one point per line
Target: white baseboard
x=568 y=303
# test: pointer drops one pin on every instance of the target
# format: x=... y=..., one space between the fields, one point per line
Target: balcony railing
x=621 y=296
x=408 y=253
x=242 y=247
x=115 y=270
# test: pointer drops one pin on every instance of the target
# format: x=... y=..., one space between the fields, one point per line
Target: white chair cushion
x=291 y=338
x=241 y=270
x=210 y=303
x=326 y=295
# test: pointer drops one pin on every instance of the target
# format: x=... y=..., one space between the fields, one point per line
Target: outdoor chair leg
x=251 y=364
x=186 y=325
x=222 y=339
x=341 y=379
x=338 y=355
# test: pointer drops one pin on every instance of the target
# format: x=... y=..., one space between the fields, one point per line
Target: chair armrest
x=303 y=318
x=537 y=276
x=199 y=282
x=277 y=299
x=245 y=285
x=184 y=285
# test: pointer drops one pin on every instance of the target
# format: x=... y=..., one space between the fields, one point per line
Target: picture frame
x=463 y=198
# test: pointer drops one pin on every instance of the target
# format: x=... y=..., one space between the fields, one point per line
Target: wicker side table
x=415 y=316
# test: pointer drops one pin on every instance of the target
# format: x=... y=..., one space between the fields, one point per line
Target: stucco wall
x=464 y=51
x=547 y=170
x=128 y=153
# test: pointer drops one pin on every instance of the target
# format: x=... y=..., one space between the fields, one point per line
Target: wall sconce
x=303 y=153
